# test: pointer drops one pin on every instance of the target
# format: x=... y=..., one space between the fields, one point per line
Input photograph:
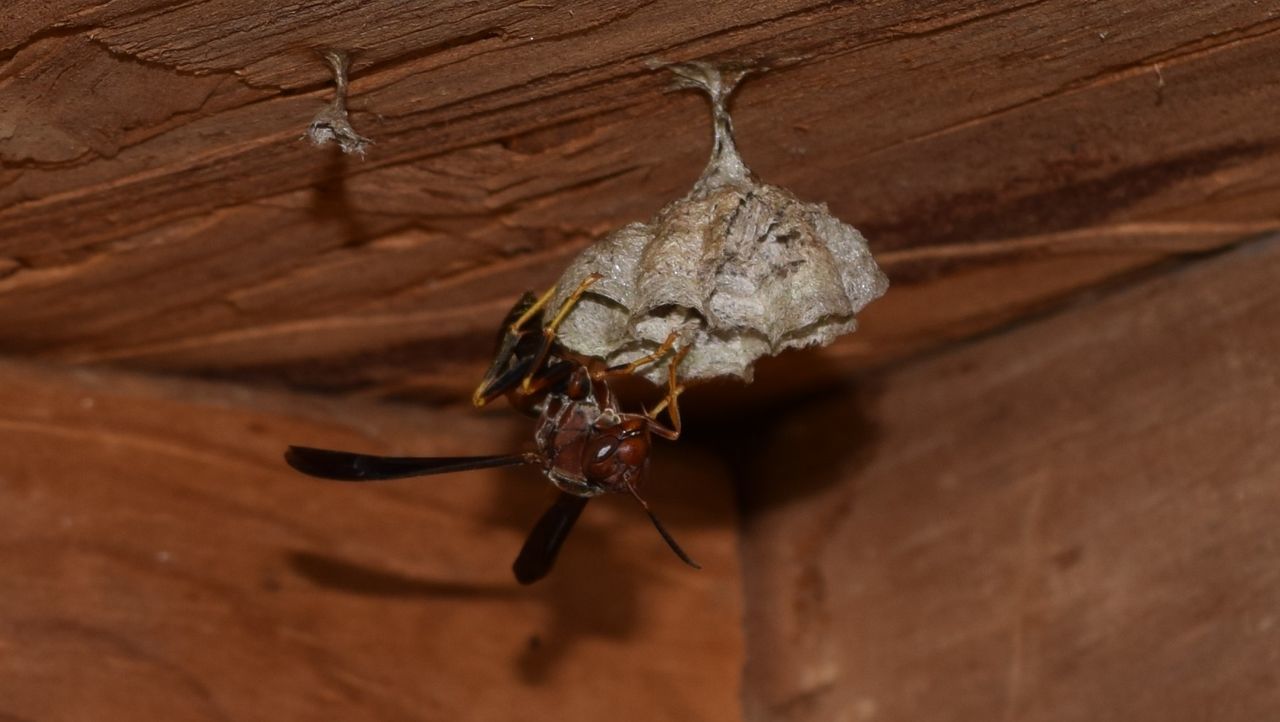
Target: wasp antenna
x=666 y=535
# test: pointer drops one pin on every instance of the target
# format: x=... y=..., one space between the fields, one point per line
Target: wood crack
x=1119 y=73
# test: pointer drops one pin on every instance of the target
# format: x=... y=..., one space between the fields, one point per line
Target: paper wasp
x=586 y=445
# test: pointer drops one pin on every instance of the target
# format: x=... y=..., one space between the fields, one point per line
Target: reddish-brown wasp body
x=586 y=445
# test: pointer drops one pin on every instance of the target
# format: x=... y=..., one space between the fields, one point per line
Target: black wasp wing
x=539 y=551
x=346 y=466
x=512 y=358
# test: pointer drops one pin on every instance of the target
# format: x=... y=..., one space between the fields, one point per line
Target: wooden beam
x=159 y=210
x=159 y=560
x=1076 y=520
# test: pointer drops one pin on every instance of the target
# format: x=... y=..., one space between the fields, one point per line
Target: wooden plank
x=1076 y=520
x=159 y=560
x=158 y=210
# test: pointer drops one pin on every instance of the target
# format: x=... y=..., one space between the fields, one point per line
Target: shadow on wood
x=1075 y=520
x=157 y=532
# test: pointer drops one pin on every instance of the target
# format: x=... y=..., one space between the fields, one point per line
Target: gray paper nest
x=740 y=268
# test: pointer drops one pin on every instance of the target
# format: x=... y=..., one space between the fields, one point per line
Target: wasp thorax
x=739 y=269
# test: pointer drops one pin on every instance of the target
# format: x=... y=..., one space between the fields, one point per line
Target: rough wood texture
x=1073 y=521
x=158 y=209
x=159 y=560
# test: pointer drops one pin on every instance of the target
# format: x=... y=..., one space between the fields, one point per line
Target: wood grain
x=1073 y=521
x=158 y=209
x=158 y=559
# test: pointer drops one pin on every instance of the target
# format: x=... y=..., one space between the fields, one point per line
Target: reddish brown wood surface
x=159 y=210
x=1073 y=521
x=159 y=561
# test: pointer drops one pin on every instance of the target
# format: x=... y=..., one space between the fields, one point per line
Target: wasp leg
x=549 y=330
x=531 y=311
x=672 y=432
x=670 y=403
x=656 y=355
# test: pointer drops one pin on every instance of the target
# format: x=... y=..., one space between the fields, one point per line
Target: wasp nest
x=332 y=124
x=737 y=268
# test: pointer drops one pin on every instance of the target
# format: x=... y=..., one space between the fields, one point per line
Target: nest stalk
x=333 y=124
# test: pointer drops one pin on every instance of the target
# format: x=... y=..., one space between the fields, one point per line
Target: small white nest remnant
x=739 y=269
x=332 y=125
